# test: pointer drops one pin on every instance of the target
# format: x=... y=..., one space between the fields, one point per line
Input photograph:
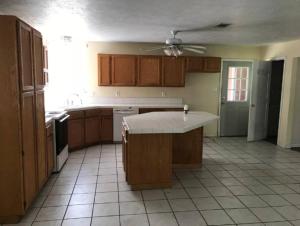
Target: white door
x=234 y=98
x=259 y=99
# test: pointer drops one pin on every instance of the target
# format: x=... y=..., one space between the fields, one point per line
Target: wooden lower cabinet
x=90 y=127
x=75 y=133
x=92 y=130
x=106 y=133
x=50 y=149
x=29 y=150
x=149 y=158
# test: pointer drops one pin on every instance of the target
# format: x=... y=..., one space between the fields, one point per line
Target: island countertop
x=167 y=122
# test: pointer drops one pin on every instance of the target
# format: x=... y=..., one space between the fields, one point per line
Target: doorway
x=274 y=100
x=234 y=111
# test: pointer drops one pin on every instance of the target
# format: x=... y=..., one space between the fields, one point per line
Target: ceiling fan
x=175 y=47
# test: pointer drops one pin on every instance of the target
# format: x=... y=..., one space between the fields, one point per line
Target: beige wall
x=201 y=91
x=289 y=51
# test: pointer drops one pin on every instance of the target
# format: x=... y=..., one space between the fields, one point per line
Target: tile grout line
x=74 y=186
x=91 y=222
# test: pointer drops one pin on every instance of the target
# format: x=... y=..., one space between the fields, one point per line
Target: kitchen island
x=154 y=143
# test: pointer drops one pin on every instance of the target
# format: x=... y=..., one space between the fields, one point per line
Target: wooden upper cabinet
x=194 y=64
x=25 y=56
x=212 y=64
x=123 y=70
x=29 y=151
x=173 y=71
x=41 y=138
x=149 y=71
x=38 y=63
x=104 y=70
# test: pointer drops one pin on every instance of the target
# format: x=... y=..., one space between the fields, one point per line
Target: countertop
x=91 y=106
x=48 y=118
x=167 y=122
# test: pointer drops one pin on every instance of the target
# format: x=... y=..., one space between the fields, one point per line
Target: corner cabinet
x=76 y=130
x=203 y=64
x=90 y=127
x=23 y=139
x=212 y=65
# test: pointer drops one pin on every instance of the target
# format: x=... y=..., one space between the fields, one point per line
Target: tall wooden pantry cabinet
x=22 y=123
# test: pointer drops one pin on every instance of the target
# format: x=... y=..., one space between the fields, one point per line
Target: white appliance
x=60 y=127
x=119 y=113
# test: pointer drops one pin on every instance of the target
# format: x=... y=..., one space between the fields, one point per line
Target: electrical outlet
x=117 y=93
x=163 y=93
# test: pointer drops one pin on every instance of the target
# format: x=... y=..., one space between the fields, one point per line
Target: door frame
x=220 y=86
x=284 y=58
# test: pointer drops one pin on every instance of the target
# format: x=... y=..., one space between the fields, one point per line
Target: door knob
x=253 y=105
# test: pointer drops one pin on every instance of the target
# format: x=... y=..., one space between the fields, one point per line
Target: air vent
x=223 y=25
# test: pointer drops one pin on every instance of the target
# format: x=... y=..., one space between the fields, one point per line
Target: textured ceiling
x=254 y=21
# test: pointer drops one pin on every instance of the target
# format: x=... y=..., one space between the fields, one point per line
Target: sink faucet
x=70 y=100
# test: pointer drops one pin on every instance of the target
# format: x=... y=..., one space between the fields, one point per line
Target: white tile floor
x=239 y=184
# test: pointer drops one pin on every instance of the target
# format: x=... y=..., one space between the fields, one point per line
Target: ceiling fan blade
x=217 y=27
x=194 y=50
x=194 y=46
x=155 y=48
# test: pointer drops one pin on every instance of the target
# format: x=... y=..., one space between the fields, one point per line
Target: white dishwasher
x=119 y=113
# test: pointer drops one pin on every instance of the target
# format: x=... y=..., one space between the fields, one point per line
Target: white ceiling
x=254 y=21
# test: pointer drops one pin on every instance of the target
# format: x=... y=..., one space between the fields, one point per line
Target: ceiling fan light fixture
x=168 y=52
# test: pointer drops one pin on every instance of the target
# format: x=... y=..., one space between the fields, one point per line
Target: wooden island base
x=149 y=158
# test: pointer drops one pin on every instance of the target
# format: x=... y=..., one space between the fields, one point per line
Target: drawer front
x=107 y=111
x=92 y=112
x=76 y=114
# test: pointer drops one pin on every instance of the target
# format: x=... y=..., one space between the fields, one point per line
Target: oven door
x=61 y=131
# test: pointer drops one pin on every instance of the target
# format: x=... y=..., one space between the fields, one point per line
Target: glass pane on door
x=237 y=88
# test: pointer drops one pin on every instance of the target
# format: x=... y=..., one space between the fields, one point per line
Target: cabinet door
x=123 y=70
x=50 y=150
x=173 y=71
x=149 y=71
x=212 y=64
x=106 y=129
x=41 y=138
x=29 y=152
x=194 y=64
x=76 y=133
x=25 y=56
x=104 y=70
x=92 y=130
x=38 y=59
